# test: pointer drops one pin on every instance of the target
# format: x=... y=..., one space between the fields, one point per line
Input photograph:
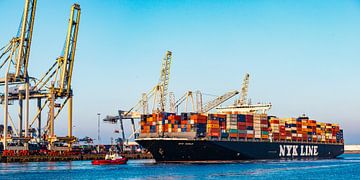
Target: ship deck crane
x=186 y=97
x=219 y=100
x=241 y=105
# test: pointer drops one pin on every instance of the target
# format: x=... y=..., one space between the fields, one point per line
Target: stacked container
x=312 y=131
x=232 y=125
x=222 y=125
x=275 y=128
x=264 y=125
x=249 y=122
x=257 y=126
x=241 y=125
x=282 y=131
x=173 y=123
x=213 y=127
x=200 y=122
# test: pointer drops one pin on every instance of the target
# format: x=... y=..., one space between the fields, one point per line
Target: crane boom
x=244 y=91
x=70 y=47
x=212 y=104
x=27 y=25
x=164 y=79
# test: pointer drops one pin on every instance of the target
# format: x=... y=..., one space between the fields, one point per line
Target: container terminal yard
x=33 y=138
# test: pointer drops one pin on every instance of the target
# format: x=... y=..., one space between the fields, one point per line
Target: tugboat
x=112 y=158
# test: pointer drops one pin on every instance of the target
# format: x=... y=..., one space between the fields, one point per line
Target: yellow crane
x=15 y=60
x=56 y=83
x=54 y=87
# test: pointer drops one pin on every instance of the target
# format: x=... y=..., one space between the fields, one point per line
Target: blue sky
x=303 y=56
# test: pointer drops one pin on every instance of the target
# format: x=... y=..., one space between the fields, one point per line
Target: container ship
x=236 y=136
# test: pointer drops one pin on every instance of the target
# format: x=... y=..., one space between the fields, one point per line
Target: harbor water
x=346 y=166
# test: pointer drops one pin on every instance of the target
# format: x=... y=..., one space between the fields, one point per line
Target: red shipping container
x=213 y=121
x=200 y=121
x=274 y=121
x=242 y=135
x=184 y=122
x=213 y=129
x=249 y=136
x=263 y=122
x=214 y=134
x=241 y=124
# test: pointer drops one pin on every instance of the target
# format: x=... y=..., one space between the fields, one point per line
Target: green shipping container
x=233 y=130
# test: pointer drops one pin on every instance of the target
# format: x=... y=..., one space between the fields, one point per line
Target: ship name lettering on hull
x=298 y=150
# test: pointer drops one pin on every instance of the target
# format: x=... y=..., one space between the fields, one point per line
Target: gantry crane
x=15 y=58
x=55 y=85
x=158 y=93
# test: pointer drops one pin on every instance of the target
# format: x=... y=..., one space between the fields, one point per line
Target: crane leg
x=20 y=116
x=70 y=120
x=52 y=109
x=133 y=127
x=39 y=117
x=121 y=126
x=5 y=111
x=27 y=94
x=70 y=117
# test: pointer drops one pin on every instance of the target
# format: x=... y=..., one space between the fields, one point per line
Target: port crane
x=158 y=93
x=15 y=60
x=53 y=86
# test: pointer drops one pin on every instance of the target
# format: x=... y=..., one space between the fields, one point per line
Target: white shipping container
x=232 y=127
x=249 y=132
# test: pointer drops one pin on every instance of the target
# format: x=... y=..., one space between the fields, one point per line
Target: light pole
x=98 y=132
